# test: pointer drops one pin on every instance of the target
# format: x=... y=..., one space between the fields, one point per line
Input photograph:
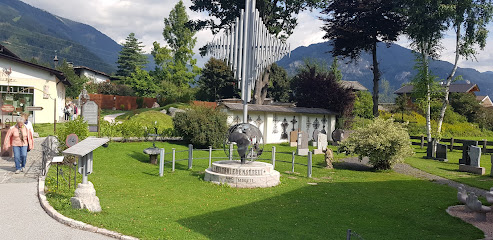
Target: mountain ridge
x=396 y=65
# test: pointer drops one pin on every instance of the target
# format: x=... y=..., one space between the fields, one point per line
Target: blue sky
x=118 y=18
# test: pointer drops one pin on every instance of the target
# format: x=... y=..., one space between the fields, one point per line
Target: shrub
x=384 y=142
x=201 y=126
x=140 y=102
x=77 y=126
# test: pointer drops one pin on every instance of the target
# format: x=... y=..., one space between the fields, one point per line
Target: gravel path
x=456 y=211
x=111 y=117
x=21 y=216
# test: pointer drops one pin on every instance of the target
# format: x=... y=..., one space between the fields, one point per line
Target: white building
x=277 y=121
x=94 y=75
x=24 y=84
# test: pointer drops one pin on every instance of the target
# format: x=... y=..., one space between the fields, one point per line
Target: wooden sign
x=8 y=108
x=33 y=108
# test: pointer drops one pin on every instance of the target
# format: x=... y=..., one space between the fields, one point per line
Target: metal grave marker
x=249 y=49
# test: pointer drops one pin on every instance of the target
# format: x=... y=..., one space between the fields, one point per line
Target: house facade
x=94 y=75
x=24 y=84
x=276 y=122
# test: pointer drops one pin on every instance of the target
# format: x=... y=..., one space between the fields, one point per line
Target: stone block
x=85 y=197
x=302 y=151
x=293 y=144
x=471 y=169
x=318 y=151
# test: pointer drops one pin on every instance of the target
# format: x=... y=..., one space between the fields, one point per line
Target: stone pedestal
x=248 y=175
x=85 y=197
x=472 y=169
x=152 y=152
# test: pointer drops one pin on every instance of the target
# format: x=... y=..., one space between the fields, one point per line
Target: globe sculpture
x=243 y=145
x=247 y=140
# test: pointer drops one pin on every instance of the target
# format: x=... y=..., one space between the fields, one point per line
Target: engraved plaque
x=90 y=112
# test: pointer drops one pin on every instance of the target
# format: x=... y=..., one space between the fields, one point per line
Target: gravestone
x=321 y=144
x=429 y=149
x=441 y=152
x=302 y=149
x=315 y=137
x=293 y=138
x=90 y=114
x=475 y=156
x=465 y=148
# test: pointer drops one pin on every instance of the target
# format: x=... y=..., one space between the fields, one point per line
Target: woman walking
x=20 y=138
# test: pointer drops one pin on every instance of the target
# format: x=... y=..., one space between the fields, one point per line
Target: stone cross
x=249 y=49
x=294 y=121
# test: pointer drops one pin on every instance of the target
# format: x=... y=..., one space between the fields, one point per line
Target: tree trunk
x=261 y=86
x=376 y=78
x=428 y=95
x=449 y=81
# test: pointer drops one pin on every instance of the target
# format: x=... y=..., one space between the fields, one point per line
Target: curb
x=71 y=222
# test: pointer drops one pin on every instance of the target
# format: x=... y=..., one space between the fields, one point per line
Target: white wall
x=273 y=132
x=95 y=77
x=23 y=75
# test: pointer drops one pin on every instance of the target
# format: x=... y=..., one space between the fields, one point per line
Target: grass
x=450 y=169
x=105 y=112
x=180 y=205
x=149 y=117
x=130 y=114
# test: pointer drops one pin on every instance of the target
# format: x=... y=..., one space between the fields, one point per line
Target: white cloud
x=118 y=18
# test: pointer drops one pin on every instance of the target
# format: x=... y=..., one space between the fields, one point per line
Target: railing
x=453 y=144
x=190 y=158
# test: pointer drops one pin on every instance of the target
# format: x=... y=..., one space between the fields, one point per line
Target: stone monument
x=90 y=113
x=85 y=194
x=474 y=155
x=293 y=138
x=465 y=149
x=302 y=145
x=245 y=172
x=441 y=154
x=321 y=144
x=315 y=137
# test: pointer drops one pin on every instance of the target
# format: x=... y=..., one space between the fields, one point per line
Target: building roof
x=274 y=108
x=481 y=98
x=454 y=88
x=92 y=70
x=355 y=85
x=7 y=54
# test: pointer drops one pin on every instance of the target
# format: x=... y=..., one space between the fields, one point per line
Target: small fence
x=453 y=144
x=172 y=154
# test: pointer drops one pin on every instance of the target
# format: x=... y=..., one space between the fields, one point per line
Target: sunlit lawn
x=450 y=169
x=180 y=205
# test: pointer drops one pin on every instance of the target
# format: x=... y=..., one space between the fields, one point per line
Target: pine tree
x=131 y=57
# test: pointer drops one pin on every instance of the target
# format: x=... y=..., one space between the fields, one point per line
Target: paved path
x=111 y=117
x=403 y=168
x=21 y=215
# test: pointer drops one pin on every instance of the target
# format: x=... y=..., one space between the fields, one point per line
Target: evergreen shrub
x=384 y=142
x=201 y=126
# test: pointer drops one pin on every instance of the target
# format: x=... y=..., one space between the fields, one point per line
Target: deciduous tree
x=357 y=26
x=216 y=81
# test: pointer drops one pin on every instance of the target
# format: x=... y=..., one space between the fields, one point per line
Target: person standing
x=21 y=139
x=66 y=111
x=28 y=123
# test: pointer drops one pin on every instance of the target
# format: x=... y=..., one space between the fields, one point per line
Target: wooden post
x=422 y=141
x=485 y=142
x=451 y=144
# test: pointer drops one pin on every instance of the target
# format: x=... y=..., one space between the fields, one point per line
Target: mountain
x=396 y=65
x=31 y=32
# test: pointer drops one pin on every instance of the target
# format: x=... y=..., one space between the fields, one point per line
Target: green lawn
x=450 y=169
x=180 y=205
